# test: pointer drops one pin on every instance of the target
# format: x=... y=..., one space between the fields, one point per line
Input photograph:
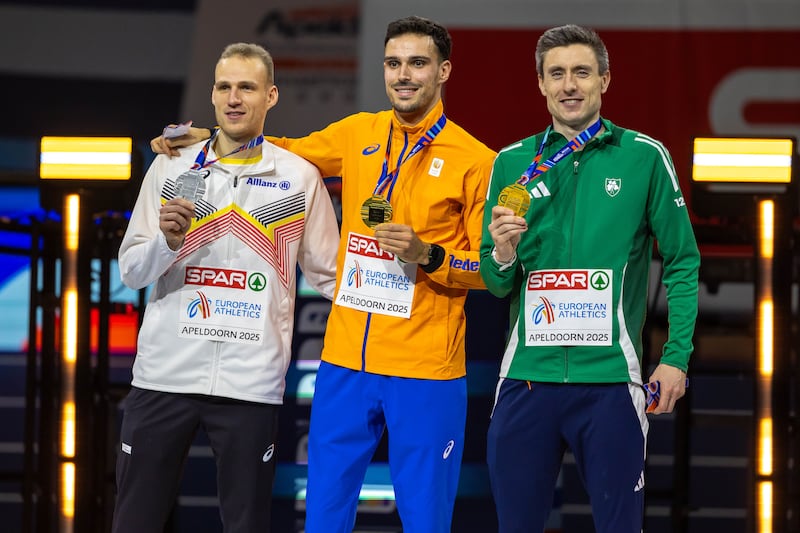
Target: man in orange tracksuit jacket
x=413 y=189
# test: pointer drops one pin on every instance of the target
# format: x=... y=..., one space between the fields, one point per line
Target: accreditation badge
x=569 y=307
x=516 y=197
x=375 y=281
x=376 y=210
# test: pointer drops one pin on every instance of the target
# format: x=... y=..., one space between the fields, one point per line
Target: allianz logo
x=283 y=185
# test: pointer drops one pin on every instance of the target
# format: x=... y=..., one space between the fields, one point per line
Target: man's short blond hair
x=250 y=50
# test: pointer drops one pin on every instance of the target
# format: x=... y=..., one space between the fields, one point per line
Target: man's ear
x=272 y=97
x=444 y=70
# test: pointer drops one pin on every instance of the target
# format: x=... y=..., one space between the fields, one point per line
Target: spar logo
x=216 y=277
x=199 y=307
x=225 y=278
x=544 y=280
x=354 y=276
x=545 y=311
x=367 y=247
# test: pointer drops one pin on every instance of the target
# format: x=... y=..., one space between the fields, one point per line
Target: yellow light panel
x=765 y=446
x=89 y=158
x=766 y=323
x=765 y=507
x=72 y=219
x=742 y=160
x=68 y=428
x=68 y=490
x=767 y=226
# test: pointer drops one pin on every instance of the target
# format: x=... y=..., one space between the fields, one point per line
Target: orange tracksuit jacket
x=446 y=209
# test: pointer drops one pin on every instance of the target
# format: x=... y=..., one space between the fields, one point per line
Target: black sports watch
x=435 y=258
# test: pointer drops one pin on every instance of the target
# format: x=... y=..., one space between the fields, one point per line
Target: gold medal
x=515 y=197
x=376 y=210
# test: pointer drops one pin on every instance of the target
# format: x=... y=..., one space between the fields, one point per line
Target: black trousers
x=157 y=430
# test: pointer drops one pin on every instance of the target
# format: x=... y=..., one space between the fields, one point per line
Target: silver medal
x=191 y=185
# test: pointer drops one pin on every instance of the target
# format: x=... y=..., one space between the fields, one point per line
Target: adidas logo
x=540 y=190
x=639 y=484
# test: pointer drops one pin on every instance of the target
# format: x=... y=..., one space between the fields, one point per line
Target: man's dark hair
x=567 y=35
x=422 y=26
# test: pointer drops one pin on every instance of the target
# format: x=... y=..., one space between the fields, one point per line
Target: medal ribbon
x=388 y=178
x=200 y=162
x=536 y=169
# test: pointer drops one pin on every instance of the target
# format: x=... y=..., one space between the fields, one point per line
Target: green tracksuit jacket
x=592 y=223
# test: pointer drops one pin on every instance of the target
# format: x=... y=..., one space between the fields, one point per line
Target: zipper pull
x=575 y=166
x=235 y=181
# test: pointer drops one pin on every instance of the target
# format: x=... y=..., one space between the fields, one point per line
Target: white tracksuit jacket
x=220 y=314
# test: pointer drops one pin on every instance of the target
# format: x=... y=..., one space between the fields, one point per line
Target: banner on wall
x=313 y=44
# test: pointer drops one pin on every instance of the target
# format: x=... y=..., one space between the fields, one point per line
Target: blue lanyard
x=200 y=160
x=536 y=169
x=388 y=178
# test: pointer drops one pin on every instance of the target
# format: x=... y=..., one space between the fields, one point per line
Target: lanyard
x=200 y=161
x=536 y=169
x=388 y=178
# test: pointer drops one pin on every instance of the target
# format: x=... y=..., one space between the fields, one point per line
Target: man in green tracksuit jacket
x=571 y=217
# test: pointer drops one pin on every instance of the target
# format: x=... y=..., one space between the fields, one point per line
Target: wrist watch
x=435 y=258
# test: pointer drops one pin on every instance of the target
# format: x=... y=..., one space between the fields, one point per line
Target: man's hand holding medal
x=175 y=219
x=506 y=229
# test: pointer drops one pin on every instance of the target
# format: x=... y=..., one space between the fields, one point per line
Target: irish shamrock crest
x=613 y=185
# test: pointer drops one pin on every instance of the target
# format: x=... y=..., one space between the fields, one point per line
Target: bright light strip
x=86 y=158
x=92 y=158
x=70 y=319
x=767 y=227
x=765 y=339
x=367 y=493
x=69 y=355
x=68 y=430
x=765 y=447
x=742 y=160
x=67 y=491
x=72 y=221
x=69 y=312
x=765 y=364
x=765 y=507
x=376 y=493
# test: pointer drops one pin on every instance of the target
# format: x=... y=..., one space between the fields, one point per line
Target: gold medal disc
x=515 y=197
x=376 y=210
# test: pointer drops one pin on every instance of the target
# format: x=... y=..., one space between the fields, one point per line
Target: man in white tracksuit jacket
x=215 y=342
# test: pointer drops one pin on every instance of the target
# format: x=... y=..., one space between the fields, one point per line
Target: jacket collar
x=423 y=125
x=601 y=138
x=266 y=165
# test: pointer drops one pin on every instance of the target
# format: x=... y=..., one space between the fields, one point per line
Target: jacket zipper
x=576 y=161
x=365 y=340
x=218 y=347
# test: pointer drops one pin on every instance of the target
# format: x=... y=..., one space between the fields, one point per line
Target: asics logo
x=268 y=454
x=371 y=149
x=448 y=449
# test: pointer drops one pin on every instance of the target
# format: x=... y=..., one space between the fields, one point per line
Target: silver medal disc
x=191 y=185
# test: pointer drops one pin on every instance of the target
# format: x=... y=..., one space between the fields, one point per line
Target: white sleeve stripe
x=664 y=158
x=510 y=147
